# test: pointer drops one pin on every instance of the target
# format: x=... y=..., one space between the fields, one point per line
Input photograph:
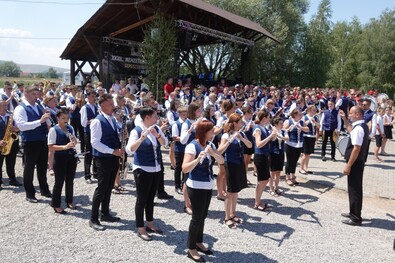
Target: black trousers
x=293 y=155
x=200 y=202
x=161 y=183
x=107 y=169
x=88 y=159
x=79 y=131
x=64 y=168
x=35 y=154
x=10 y=160
x=146 y=186
x=328 y=135
x=354 y=185
x=179 y=156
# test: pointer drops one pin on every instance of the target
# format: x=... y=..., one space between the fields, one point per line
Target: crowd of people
x=223 y=125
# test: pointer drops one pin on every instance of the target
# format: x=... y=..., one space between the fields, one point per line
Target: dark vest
x=109 y=137
x=201 y=172
x=62 y=139
x=192 y=135
x=90 y=114
x=76 y=113
x=3 y=126
x=39 y=133
x=178 y=146
x=276 y=147
x=368 y=115
x=312 y=129
x=293 y=134
x=145 y=154
x=364 y=146
x=264 y=134
x=330 y=120
x=234 y=152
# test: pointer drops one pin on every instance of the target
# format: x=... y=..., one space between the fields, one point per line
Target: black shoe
x=206 y=252
x=346 y=215
x=165 y=196
x=94 y=175
x=323 y=158
x=15 y=183
x=1 y=187
x=201 y=259
x=32 y=200
x=96 y=225
x=144 y=237
x=59 y=212
x=88 y=181
x=179 y=191
x=72 y=206
x=48 y=195
x=109 y=218
x=157 y=231
x=333 y=159
x=352 y=222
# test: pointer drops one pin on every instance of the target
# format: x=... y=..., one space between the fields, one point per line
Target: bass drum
x=342 y=143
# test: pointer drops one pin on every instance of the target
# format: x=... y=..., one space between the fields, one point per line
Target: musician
x=31 y=120
x=10 y=159
x=61 y=141
x=309 y=138
x=88 y=113
x=200 y=183
x=232 y=145
x=106 y=150
x=262 y=137
x=74 y=103
x=295 y=127
x=9 y=97
x=355 y=163
x=145 y=141
x=370 y=118
x=50 y=105
x=330 y=123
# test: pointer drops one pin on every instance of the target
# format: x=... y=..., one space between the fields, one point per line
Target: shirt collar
x=357 y=122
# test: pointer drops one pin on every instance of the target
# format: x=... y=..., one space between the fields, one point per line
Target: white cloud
x=13 y=32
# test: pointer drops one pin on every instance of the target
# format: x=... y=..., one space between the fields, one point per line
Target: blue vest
x=39 y=133
x=234 y=152
x=293 y=134
x=175 y=115
x=364 y=147
x=90 y=114
x=201 y=172
x=330 y=120
x=276 y=147
x=192 y=135
x=3 y=125
x=344 y=105
x=264 y=134
x=145 y=154
x=76 y=113
x=312 y=129
x=62 y=139
x=368 y=115
x=178 y=146
x=109 y=137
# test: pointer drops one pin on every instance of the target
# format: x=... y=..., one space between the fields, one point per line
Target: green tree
x=10 y=69
x=158 y=53
x=316 y=52
x=52 y=74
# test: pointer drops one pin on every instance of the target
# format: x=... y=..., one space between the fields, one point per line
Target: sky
x=37 y=31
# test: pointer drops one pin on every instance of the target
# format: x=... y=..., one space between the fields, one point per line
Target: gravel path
x=303 y=226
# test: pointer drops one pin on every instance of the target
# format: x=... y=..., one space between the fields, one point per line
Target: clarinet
x=74 y=151
x=122 y=172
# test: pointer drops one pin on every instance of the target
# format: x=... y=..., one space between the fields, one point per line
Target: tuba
x=9 y=138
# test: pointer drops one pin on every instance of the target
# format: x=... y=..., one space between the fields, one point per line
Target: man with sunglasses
x=370 y=118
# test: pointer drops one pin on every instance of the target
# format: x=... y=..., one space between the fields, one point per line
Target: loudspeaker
x=185 y=40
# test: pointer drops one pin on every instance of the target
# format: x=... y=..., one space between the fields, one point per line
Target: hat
x=20 y=84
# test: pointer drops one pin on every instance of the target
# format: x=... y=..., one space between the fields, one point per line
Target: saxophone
x=9 y=138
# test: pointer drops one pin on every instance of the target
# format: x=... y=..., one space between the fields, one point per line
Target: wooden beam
x=91 y=47
x=132 y=26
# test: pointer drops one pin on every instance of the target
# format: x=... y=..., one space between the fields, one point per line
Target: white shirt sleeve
x=132 y=138
x=52 y=136
x=220 y=122
x=20 y=118
x=357 y=135
x=184 y=133
x=374 y=126
x=84 y=117
x=322 y=121
x=339 y=122
x=69 y=105
x=170 y=117
x=190 y=149
x=174 y=130
x=96 y=133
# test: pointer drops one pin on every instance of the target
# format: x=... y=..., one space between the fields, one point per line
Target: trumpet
x=122 y=170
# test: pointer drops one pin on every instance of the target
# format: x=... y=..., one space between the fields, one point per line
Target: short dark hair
x=92 y=92
x=146 y=111
x=104 y=98
x=62 y=111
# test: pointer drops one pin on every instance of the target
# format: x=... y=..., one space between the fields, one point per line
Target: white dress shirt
x=96 y=134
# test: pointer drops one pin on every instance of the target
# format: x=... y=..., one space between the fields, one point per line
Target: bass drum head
x=342 y=144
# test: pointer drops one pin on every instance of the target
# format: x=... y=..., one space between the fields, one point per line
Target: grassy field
x=26 y=81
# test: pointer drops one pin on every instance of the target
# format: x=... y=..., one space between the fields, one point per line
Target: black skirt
x=388 y=131
x=276 y=162
x=236 y=178
x=262 y=164
x=308 y=145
